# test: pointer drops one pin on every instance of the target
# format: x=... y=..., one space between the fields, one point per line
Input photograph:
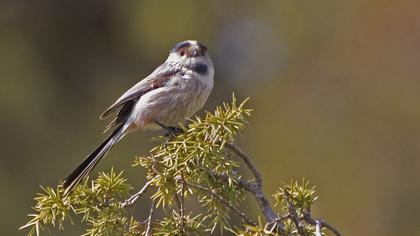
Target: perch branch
x=148 y=231
x=308 y=218
x=179 y=199
x=242 y=183
x=181 y=203
x=255 y=189
x=131 y=200
x=229 y=206
x=293 y=215
x=245 y=157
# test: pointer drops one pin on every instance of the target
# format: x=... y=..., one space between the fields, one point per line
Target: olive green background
x=335 y=87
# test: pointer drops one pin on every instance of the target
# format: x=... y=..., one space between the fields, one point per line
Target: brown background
x=334 y=84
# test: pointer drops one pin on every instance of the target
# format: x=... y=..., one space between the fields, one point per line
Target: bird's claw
x=172 y=132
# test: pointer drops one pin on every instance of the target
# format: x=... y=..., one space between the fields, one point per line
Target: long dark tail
x=90 y=162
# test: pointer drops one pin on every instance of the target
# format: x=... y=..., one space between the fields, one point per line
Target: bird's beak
x=194 y=52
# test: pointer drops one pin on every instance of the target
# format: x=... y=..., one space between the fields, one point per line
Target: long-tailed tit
x=172 y=92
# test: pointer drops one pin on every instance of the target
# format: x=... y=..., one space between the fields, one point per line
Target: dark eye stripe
x=181 y=45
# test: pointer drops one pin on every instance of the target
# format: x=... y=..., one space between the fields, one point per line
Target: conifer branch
x=227 y=204
x=148 y=231
x=192 y=165
x=321 y=223
x=255 y=189
x=133 y=198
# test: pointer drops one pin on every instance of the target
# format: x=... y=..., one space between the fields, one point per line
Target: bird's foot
x=171 y=131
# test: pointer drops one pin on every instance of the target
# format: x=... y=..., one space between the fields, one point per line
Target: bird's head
x=190 y=49
x=191 y=54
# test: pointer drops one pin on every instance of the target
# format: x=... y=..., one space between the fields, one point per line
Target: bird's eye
x=182 y=53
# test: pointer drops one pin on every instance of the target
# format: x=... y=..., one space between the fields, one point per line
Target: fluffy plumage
x=172 y=92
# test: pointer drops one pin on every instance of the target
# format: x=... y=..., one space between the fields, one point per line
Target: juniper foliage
x=197 y=166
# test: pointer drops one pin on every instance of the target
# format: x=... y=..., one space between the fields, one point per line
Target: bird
x=173 y=92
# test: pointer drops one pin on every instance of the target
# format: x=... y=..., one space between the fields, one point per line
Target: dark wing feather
x=122 y=115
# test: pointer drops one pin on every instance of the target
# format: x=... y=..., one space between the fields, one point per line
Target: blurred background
x=335 y=87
